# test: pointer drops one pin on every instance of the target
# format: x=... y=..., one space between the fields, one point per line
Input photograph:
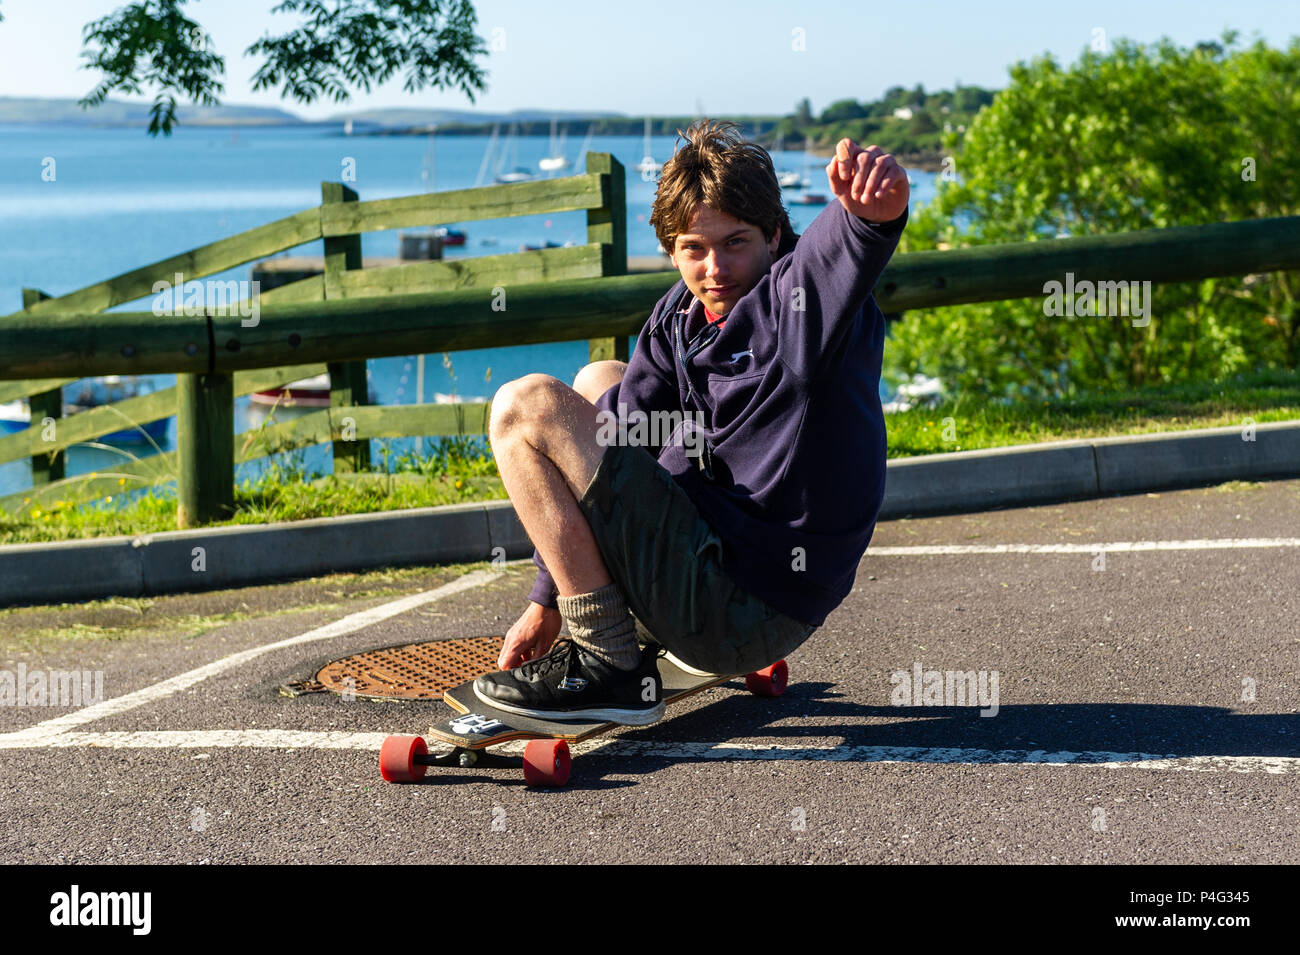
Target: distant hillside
x=601 y=124
x=116 y=112
x=414 y=116
x=910 y=123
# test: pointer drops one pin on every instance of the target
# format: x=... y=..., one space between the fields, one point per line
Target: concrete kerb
x=990 y=478
x=1180 y=459
x=1094 y=467
x=232 y=556
x=70 y=571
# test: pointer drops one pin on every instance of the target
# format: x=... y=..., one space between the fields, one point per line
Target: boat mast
x=487 y=154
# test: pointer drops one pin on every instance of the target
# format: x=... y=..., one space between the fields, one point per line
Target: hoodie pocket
x=730 y=395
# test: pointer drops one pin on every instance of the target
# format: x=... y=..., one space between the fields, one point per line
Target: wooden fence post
x=205 y=438
x=608 y=226
x=46 y=468
x=348 y=385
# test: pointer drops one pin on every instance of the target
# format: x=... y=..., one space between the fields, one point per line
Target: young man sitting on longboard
x=735 y=535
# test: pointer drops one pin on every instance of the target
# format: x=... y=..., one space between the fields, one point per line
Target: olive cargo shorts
x=667 y=560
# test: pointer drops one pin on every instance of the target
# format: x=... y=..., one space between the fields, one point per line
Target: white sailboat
x=518 y=174
x=785 y=178
x=810 y=161
x=510 y=151
x=555 y=158
x=810 y=198
x=647 y=166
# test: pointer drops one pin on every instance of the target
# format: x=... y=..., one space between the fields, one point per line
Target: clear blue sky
x=664 y=58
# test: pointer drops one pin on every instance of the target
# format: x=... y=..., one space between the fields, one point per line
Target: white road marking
x=200 y=739
x=1112 y=547
x=952 y=755
x=634 y=749
x=349 y=624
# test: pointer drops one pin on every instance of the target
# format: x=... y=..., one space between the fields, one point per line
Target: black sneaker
x=571 y=684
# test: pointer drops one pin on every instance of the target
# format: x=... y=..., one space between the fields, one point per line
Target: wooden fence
x=336 y=320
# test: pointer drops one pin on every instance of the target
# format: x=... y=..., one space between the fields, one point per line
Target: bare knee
x=598 y=377
x=523 y=401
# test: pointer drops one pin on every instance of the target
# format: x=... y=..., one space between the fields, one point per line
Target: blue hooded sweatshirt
x=791 y=473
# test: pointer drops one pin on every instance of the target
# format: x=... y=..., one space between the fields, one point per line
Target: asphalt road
x=1147 y=711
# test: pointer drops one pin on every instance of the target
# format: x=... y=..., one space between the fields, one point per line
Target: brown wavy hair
x=718 y=167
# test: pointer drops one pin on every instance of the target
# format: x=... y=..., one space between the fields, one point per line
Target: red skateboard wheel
x=397 y=759
x=546 y=762
x=769 y=681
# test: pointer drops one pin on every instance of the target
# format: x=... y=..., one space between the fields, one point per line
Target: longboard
x=546 y=760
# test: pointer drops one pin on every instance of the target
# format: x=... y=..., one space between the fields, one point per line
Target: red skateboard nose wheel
x=546 y=762
x=397 y=759
x=769 y=681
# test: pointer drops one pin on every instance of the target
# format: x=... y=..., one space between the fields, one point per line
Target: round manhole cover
x=417 y=671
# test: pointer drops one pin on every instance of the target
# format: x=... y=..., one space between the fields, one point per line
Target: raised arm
x=820 y=286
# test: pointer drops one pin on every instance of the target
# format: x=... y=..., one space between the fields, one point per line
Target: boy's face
x=722 y=258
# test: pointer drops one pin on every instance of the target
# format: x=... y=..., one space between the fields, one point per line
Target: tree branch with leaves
x=339 y=45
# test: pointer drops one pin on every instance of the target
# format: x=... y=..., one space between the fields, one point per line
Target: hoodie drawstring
x=685 y=352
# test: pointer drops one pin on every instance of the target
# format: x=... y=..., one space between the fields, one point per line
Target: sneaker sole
x=687 y=667
x=605 y=714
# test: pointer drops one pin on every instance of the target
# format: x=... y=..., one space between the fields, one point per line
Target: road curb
x=175 y=561
x=1087 y=468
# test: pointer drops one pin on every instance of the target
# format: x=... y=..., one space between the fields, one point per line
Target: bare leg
x=543 y=436
x=598 y=377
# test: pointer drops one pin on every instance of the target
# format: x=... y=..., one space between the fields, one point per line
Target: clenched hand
x=868 y=182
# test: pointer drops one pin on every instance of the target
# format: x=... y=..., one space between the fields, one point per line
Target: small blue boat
x=90 y=393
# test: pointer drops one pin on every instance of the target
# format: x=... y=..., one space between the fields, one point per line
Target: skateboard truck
x=466 y=759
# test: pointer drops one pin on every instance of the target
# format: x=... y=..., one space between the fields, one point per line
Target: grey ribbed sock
x=600 y=623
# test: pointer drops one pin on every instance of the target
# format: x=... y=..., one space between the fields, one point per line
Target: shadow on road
x=811 y=714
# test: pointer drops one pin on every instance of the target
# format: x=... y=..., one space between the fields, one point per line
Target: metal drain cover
x=417 y=671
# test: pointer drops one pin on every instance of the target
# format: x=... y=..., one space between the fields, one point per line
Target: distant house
x=903 y=112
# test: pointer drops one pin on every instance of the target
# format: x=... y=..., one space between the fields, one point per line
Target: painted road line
x=1289 y=765
x=941 y=550
x=633 y=749
x=200 y=739
x=341 y=627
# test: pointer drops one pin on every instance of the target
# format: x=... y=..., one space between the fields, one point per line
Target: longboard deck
x=494 y=726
